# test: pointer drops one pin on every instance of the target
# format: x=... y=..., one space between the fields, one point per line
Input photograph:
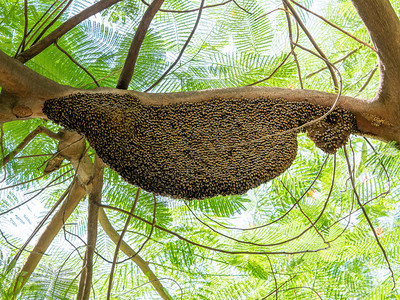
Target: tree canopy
x=327 y=228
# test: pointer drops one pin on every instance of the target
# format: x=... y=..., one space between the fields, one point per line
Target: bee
x=198 y=150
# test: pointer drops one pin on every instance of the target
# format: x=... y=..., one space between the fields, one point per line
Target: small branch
x=242 y=8
x=313 y=42
x=334 y=63
x=292 y=46
x=183 y=48
x=121 y=239
x=208 y=247
x=64 y=28
x=281 y=285
x=25 y=24
x=52 y=22
x=130 y=62
x=2 y=153
x=304 y=287
x=367 y=217
x=152 y=225
x=76 y=63
x=368 y=79
x=137 y=259
x=334 y=26
x=41 y=223
x=94 y=201
x=27 y=139
x=45 y=21
x=189 y=10
x=274 y=71
x=103 y=78
x=75 y=196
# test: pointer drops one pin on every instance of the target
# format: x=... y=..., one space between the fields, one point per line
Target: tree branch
x=27 y=139
x=313 y=42
x=130 y=62
x=121 y=238
x=24 y=91
x=63 y=29
x=139 y=261
x=182 y=50
x=383 y=26
x=85 y=284
x=46 y=238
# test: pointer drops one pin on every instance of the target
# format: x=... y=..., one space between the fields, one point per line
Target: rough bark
x=75 y=196
x=383 y=26
x=85 y=284
x=130 y=62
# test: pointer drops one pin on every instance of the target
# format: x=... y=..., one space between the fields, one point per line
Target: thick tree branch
x=383 y=26
x=130 y=62
x=75 y=196
x=85 y=284
x=63 y=29
x=83 y=167
x=373 y=117
x=24 y=91
x=139 y=261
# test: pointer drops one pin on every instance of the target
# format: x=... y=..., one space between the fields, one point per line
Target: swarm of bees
x=197 y=150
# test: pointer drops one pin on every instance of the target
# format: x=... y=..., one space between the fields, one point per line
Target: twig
x=182 y=50
x=151 y=282
x=76 y=63
x=281 y=285
x=281 y=217
x=52 y=22
x=45 y=21
x=151 y=230
x=189 y=10
x=208 y=247
x=27 y=139
x=29 y=32
x=367 y=217
x=304 y=287
x=41 y=223
x=31 y=180
x=121 y=238
x=63 y=29
x=11 y=244
x=101 y=79
x=368 y=79
x=314 y=43
x=130 y=62
x=273 y=274
x=3 y=165
x=335 y=62
x=274 y=71
x=25 y=24
x=33 y=197
x=137 y=259
x=292 y=46
x=335 y=26
x=242 y=8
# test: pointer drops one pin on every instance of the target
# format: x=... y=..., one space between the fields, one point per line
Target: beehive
x=197 y=150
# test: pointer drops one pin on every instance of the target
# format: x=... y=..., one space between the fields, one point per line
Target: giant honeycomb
x=197 y=150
